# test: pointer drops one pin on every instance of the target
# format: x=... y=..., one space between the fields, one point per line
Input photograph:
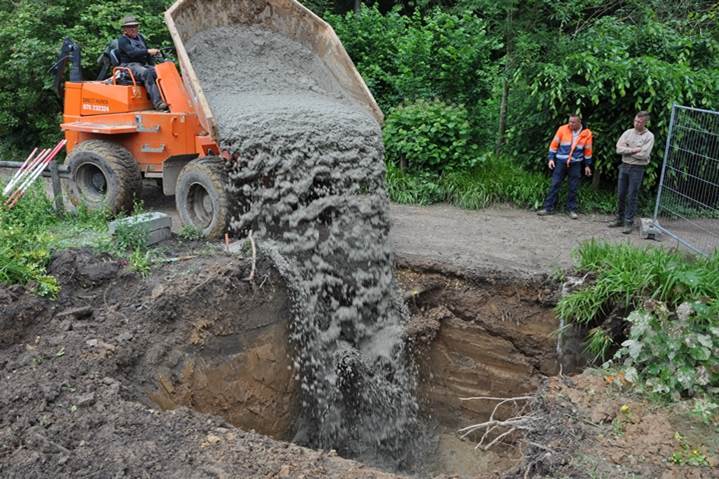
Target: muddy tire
x=103 y=174
x=200 y=196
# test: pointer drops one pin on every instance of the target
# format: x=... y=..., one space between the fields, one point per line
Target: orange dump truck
x=115 y=138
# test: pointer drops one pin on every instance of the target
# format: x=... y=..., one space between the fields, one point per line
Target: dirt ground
x=504 y=239
x=587 y=427
x=77 y=373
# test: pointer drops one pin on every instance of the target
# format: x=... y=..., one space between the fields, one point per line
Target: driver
x=135 y=55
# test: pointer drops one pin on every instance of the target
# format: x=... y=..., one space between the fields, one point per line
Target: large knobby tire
x=103 y=175
x=200 y=196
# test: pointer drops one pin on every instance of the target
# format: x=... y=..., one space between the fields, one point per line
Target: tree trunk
x=357 y=6
x=502 y=116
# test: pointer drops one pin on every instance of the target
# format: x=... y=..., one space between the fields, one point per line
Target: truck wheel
x=201 y=198
x=103 y=175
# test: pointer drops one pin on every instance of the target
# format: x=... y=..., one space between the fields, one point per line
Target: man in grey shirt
x=635 y=146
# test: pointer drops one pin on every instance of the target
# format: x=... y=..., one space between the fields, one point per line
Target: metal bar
x=664 y=163
x=695 y=153
x=685 y=243
x=687 y=220
x=695 y=177
x=61 y=169
x=691 y=108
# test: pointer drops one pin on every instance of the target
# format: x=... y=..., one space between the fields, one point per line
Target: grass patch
x=32 y=230
x=495 y=180
x=29 y=233
x=661 y=310
x=627 y=276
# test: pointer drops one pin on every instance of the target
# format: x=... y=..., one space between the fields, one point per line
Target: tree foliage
x=609 y=71
x=605 y=59
x=430 y=137
x=433 y=56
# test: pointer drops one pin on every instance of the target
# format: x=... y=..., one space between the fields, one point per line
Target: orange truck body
x=162 y=142
x=124 y=114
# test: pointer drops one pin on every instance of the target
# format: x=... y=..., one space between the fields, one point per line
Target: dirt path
x=501 y=238
x=496 y=239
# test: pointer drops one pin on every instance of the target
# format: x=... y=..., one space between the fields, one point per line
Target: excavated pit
x=85 y=375
x=307 y=176
x=468 y=337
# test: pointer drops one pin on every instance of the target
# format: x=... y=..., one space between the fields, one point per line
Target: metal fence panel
x=687 y=206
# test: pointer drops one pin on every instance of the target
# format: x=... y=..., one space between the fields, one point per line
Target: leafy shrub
x=33 y=32
x=609 y=71
x=431 y=137
x=30 y=232
x=673 y=353
x=493 y=180
x=432 y=56
x=417 y=188
x=372 y=40
x=25 y=242
x=672 y=347
x=190 y=233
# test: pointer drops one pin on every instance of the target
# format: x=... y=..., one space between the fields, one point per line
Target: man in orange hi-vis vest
x=569 y=153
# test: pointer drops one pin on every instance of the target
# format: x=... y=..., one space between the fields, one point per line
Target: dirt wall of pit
x=479 y=337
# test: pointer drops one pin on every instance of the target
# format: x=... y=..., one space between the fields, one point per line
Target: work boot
x=162 y=106
x=616 y=223
x=573 y=215
x=628 y=228
x=544 y=212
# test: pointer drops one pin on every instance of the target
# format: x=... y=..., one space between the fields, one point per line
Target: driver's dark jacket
x=133 y=50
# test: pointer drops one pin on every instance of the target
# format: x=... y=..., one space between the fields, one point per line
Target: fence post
x=56 y=187
x=664 y=163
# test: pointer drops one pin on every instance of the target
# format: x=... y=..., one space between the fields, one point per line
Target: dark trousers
x=146 y=75
x=574 y=171
x=630 y=179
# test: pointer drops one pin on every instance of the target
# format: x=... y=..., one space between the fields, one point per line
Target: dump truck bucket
x=185 y=18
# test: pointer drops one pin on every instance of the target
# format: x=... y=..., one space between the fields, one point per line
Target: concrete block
x=156 y=224
x=158 y=235
x=647 y=229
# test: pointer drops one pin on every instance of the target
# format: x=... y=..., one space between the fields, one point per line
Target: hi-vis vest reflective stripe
x=563 y=149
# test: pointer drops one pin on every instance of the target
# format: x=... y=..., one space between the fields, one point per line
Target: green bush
x=430 y=136
x=25 y=242
x=673 y=325
x=626 y=276
x=672 y=353
x=609 y=71
x=432 y=56
x=371 y=39
x=417 y=188
x=31 y=231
